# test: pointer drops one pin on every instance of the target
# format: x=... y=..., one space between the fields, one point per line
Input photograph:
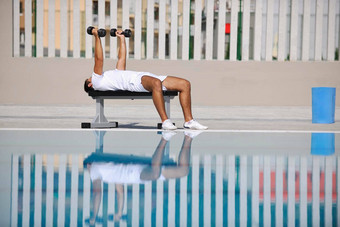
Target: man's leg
x=184 y=88
x=183 y=165
x=153 y=172
x=154 y=85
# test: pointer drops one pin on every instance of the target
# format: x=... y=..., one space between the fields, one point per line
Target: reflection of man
x=134 y=173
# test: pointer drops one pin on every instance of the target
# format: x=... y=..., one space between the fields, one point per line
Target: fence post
x=76 y=30
x=293 y=30
x=209 y=31
x=258 y=31
x=28 y=28
x=40 y=28
x=245 y=30
x=318 y=30
x=233 y=31
x=138 y=31
x=174 y=28
x=305 y=32
x=64 y=28
x=186 y=30
x=51 y=27
x=150 y=29
x=282 y=31
x=331 y=30
x=269 y=32
x=198 y=28
x=16 y=28
x=221 y=31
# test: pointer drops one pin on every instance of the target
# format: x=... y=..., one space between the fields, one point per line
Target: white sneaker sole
x=169 y=128
x=193 y=128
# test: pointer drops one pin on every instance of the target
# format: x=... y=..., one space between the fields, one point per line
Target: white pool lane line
x=178 y=130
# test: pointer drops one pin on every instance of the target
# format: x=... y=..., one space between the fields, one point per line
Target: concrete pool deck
x=276 y=118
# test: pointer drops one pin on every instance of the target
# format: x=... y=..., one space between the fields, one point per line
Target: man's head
x=88 y=85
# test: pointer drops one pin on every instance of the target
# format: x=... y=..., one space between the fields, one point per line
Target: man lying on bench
x=121 y=79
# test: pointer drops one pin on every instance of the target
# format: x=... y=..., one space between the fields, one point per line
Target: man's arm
x=98 y=54
x=97 y=196
x=120 y=199
x=121 y=63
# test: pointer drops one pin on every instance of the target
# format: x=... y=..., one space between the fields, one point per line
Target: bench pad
x=120 y=93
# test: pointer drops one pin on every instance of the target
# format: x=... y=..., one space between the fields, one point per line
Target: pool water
x=150 y=178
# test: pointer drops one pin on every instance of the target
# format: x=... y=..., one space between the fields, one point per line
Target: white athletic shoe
x=192 y=133
x=167 y=135
x=168 y=125
x=194 y=125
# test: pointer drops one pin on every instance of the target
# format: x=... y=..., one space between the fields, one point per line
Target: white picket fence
x=295 y=30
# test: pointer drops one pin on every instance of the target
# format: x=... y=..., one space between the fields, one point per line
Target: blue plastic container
x=323 y=144
x=323 y=105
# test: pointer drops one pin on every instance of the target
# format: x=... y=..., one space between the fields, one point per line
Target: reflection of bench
x=100 y=156
x=100 y=120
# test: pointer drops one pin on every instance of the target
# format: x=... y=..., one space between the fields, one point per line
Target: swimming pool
x=137 y=178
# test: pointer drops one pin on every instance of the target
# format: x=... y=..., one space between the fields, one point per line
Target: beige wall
x=60 y=81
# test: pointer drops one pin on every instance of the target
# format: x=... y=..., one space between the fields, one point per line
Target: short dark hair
x=86 y=86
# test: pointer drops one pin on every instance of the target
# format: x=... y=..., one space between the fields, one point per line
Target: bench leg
x=100 y=120
x=100 y=117
x=100 y=141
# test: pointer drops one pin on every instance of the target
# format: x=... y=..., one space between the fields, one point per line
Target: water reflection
x=122 y=170
x=188 y=189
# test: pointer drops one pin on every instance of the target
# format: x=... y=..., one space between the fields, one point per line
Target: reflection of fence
x=183 y=29
x=219 y=189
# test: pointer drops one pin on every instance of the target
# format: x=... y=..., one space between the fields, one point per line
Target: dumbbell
x=101 y=32
x=126 y=32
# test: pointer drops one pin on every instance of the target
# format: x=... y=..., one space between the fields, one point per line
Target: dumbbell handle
x=126 y=32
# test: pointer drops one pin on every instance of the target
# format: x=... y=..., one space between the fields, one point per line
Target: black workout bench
x=100 y=120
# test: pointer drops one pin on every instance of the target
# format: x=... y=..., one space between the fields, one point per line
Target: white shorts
x=119 y=173
x=137 y=83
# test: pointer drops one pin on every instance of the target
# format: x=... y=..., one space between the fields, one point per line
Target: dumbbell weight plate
x=113 y=32
x=127 y=33
x=89 y=30
x=101 y=32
